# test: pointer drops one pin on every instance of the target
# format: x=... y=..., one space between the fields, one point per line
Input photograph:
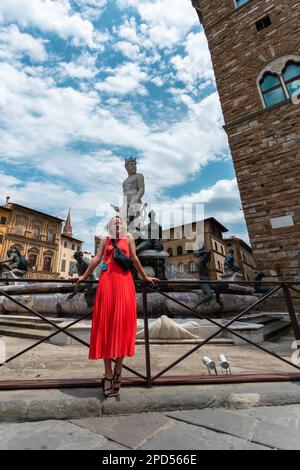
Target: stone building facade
x=255 y=50
x=37 y=235
x=5 y=215
x=182 y=260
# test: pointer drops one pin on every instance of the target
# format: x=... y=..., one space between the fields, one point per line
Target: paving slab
x=50 y=435
x=131 y=431
x=262 y=432
x=276 y=436
x=227 y=422
x=288 y=416
x=182 y=436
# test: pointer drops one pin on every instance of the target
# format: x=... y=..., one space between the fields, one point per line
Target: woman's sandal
x=109 y=391
x=117 y=382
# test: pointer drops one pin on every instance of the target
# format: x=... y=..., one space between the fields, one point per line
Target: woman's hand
x=151 y=279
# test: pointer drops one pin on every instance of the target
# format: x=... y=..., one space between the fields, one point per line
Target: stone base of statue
x=154 y=263
x=232 y=276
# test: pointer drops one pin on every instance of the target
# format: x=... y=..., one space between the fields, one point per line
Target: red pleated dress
x=113 y=330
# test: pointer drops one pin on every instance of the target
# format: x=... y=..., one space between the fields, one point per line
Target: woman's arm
x=96 y=260
x=136 y=261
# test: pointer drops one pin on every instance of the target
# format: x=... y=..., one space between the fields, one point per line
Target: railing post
x=291 y=310
x=146 y=335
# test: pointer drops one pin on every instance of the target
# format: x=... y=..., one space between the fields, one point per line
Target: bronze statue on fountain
x=15 y=266
x=89 y=290
x=229 y=263
x=151 y=249
x=204 y=257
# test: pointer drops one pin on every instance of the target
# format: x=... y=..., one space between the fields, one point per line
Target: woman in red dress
x=113 y=330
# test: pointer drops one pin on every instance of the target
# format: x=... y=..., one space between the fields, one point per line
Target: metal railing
x=163 y=288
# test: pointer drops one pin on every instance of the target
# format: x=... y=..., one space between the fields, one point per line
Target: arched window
x=272 y=89
x=170 y=251
x=32 y=260
x=291 y=76
x=279 y=80
x=47 y=264
x=179 y=251
x=181 y=268
x=33 y=257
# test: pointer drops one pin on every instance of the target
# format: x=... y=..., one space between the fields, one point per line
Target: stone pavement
x=261 y=428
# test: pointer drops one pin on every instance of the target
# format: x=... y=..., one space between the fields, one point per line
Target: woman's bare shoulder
x=130 y=239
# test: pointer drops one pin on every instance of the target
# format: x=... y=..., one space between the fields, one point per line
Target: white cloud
x=40 y=119
x=13 y=43
x=158 y=81
x=55 y=16
x=166 y=22
x=128 y=31
x=7 y=182
x=127 y=78
x=186 y=146
x=196 y=64
x=91 y=9
x=129 y=50
x=83 y=67
x=220 y=200
x=36 y=114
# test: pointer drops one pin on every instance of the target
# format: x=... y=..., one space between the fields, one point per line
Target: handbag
x=119 y=256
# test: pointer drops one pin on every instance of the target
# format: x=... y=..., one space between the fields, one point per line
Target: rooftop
x=209 y=219
x=63 y=235
x=12 y=205
x=240 y=241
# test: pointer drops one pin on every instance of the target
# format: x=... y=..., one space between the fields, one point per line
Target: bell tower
x=255 y=50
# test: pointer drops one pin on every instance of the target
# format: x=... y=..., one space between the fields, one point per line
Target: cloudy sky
x=85 y=83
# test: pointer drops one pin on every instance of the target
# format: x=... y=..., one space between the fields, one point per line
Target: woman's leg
x=117 y=373
x=108 y=379
x=119 y=365
x=107 y=367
